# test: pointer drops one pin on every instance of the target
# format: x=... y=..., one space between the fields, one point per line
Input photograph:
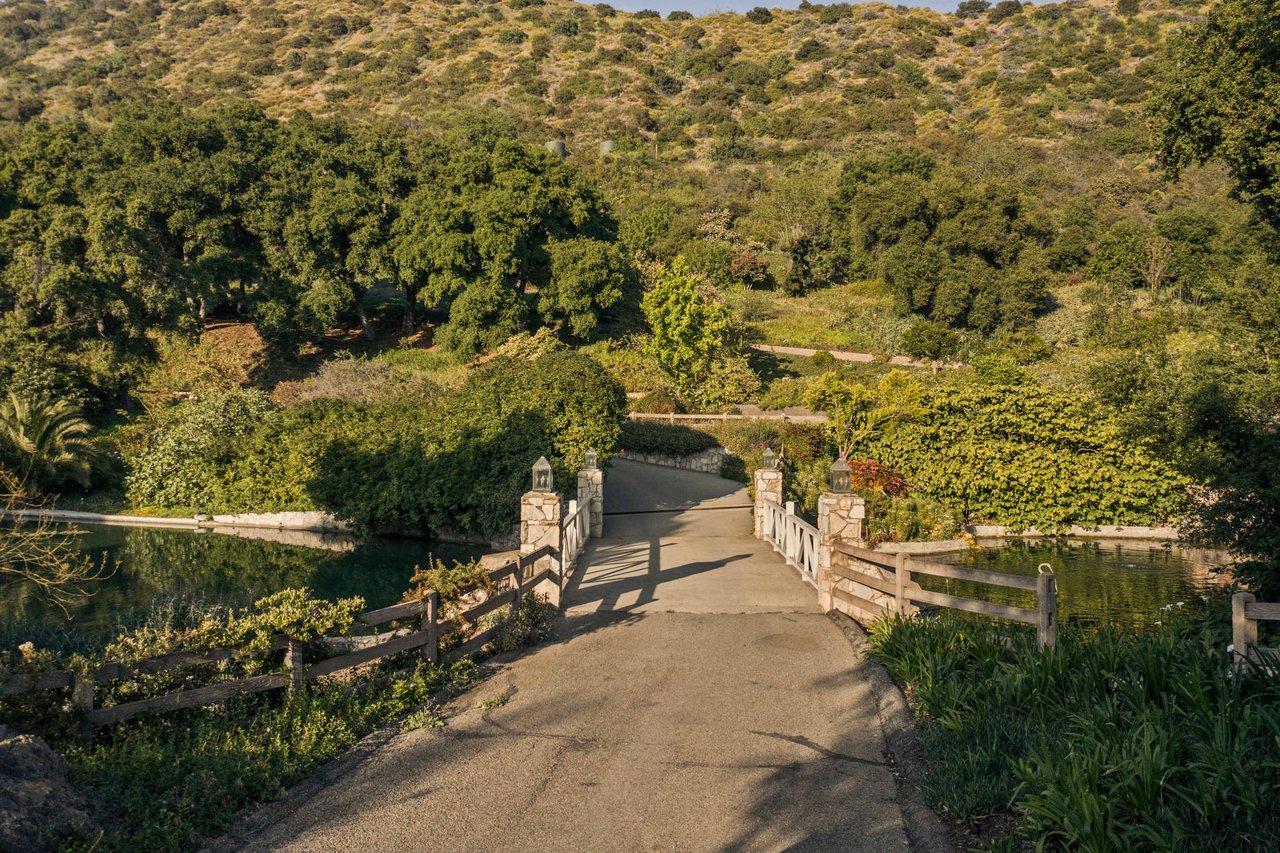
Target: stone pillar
x=768 y=482
x=591 y=494
x=540 y=525
x=840 y=520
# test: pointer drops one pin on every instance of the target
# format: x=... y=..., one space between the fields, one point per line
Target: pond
x=158 y=567
x=1099 y=582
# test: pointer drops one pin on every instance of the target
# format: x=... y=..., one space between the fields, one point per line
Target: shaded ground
x=693 y=699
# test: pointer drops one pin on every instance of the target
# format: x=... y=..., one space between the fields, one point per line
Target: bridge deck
x=694 y=699
x=681 y=541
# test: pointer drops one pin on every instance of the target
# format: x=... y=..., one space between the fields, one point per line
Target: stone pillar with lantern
x=591 y=491
x=768 y=484
x=841 y=516
x=540 y=514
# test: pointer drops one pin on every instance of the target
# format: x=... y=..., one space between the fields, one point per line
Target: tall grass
x=1117 y=739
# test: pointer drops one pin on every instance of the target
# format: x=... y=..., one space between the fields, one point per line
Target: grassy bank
x=169 y=781
x=1116 y=740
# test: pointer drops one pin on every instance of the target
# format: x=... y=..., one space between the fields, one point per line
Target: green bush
x=183 y=462
x=1114 y=740
x=1028 y=456
x=402 y=464
x=649 y=437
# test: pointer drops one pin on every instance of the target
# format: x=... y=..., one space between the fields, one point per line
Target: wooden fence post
x=519 y=585
x=430 y=624
x=900 y=584
x=1244 y=631
x=293 y=660
x=1047 y=607
x=82 y=698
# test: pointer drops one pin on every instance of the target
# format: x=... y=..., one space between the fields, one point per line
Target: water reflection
x=220 y=567
x=1114 y=582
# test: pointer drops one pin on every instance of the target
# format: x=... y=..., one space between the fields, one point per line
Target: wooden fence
x=1246 y=613
x=816 y=418
x=792 y=537
x=889 y=589
x=359 y=651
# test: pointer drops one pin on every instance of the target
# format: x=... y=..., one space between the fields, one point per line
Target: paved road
x=693 y=699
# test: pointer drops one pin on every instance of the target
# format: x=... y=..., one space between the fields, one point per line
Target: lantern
x=542 y=475
x=769 y=459
x=841 y=477
x=590 y=459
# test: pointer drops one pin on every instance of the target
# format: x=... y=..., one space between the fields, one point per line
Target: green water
x=1099 y=582
x=151 y=567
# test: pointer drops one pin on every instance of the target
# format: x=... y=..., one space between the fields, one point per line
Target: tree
x=691 y=327
x=482 y=317
x=857 y=412
x=1128 y=8
x=36 y=551
x=1155 y=260
x=934 y=342
x=971 y=8
x=586 y=279
x=46 y=443
x=1221 y=99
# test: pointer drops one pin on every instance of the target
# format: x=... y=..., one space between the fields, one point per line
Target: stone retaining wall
x=707 y=462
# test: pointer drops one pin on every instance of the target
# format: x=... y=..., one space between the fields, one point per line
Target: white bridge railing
x=792 y=537
x=575 y=530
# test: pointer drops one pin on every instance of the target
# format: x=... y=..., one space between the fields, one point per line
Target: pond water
x=1099 y=582
x=157 y=566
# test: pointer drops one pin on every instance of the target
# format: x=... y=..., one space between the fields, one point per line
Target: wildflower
x=28 y=650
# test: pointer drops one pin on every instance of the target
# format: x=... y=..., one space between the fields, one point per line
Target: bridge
x=694 y=697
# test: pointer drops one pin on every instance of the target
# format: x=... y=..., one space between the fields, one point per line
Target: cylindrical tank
x=556 y=147
x=607 y=147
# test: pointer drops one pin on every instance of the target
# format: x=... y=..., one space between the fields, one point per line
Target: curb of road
x=926 y=831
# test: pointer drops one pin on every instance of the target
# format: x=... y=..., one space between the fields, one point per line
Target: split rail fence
x=890 y=577
x=1246 y=613
x=361 y=650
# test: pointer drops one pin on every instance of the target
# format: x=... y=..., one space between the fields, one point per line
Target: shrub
x=759 y=15
x=183 y=462
x=1029 y=456
x=823 y=360
x=656 y=402
x=358 y=380
x=679 y=15
x=650 y=437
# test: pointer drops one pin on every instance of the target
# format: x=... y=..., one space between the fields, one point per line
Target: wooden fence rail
x=671 y=418
x=1246 y=613
x=426 y=636
x=890 y=579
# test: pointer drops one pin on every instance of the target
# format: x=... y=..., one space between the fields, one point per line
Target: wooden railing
x=792 y=537
x=1246 y=613
x=426 y=636
x=575 y=530
x=888 y=577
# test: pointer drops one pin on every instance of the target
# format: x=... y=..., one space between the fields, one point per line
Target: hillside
x=820 y=79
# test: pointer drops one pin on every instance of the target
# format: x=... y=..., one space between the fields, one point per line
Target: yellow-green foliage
x=1028 y=456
